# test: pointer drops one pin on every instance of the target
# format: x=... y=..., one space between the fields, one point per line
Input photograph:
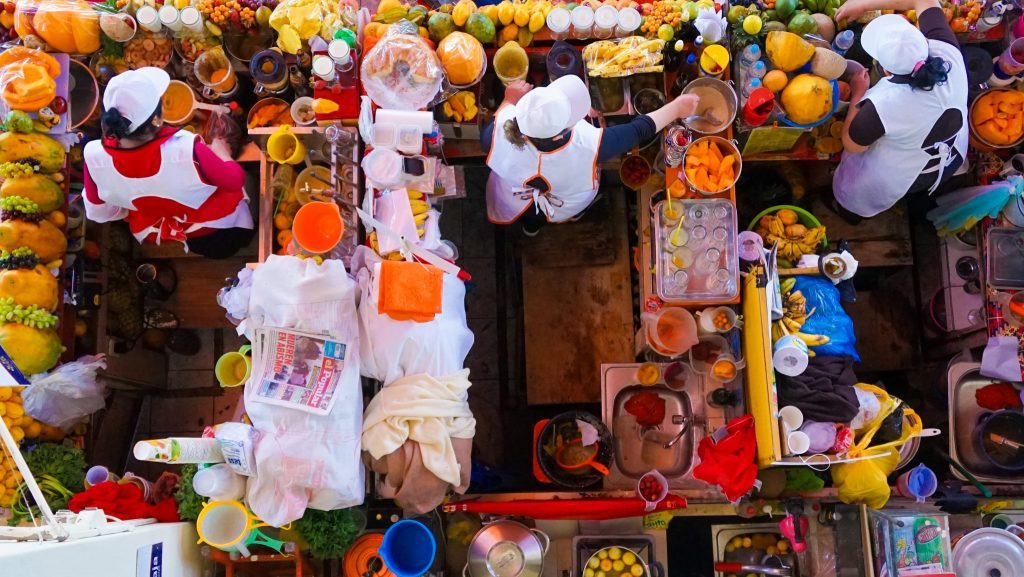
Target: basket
x=803 y=217
x=728 y=145
x=835 y=105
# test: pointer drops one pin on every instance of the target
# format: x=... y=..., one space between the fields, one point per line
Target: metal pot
x=639 y=560
x=999 y=438
x=724 y=88
x=506 y=549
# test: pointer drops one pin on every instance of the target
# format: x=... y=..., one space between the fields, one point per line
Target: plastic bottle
x=843 y=42
x=179 y=450
x=750 y=55
x=757 y=70
x=750 y=86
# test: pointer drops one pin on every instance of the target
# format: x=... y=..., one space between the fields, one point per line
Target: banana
x=414 y=195
x=796 y=297
x=793 y=326
x=776 y=332
x=776 y=228
x=419 y=206
x=787 y=284
x=812 y=340
x=811 y=353
x=420 y=218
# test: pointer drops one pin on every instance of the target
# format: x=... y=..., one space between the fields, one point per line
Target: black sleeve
x=933 y=25
x=624 y=137
x=485 y=136
x=867 y=126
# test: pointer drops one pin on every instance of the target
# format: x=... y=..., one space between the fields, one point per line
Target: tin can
x=677 y=138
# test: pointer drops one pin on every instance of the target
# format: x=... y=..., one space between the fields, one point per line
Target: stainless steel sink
x=964 y=380
x=631 y=455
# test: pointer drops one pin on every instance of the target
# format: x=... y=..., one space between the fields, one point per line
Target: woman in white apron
x=544 y=155
x=167 y=184
x=908 y=132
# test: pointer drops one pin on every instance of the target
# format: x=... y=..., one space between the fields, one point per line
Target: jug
x=283 y=147
x=229 y=526
x=214 y=70
x=318 y=227
x=671 y=331
x=511 y=63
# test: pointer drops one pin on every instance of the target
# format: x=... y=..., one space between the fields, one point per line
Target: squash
x=807 y=99
x=40 y=148
x=462 y=57
x=787 y=51
x=70 y=26
x=827 y=64
x=39 y=188
x=997 y=117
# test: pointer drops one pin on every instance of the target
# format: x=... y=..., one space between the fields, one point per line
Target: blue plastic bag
x=829 y=318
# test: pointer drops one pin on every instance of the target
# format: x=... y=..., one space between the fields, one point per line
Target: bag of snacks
x=624 y=57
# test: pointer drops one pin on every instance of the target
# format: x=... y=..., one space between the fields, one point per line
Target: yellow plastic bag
x=912 y=425
x=866 y=481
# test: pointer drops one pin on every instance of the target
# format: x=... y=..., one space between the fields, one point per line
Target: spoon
x=707 y=116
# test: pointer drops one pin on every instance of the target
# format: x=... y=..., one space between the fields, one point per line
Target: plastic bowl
x=803 y=217
x=630 y=170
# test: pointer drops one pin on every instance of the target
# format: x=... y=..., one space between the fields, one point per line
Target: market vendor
x=907 y=133
x=168 y=184
x=545 y=156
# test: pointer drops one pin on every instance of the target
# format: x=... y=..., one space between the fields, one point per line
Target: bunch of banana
x=795 y=314
x=461 y=107
x=794 y=240
x=420 y=211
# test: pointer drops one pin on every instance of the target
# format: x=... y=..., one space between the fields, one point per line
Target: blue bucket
x=408 y=548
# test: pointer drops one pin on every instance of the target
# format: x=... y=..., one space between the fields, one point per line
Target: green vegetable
x=329 y=533
x=65 y=464
x=56 y=495
x=18 y=121
x=190 y=504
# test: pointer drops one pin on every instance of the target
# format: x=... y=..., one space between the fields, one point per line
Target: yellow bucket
x=511 y=63
x=714 y=60
x=283 y=147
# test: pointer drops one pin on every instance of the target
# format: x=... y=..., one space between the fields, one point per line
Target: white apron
x=870 y=182
x=177 y=180
x=570 y=171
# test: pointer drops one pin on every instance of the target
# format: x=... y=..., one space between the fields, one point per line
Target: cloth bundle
x=729 y=463
x=824 y=392
x=124 y=501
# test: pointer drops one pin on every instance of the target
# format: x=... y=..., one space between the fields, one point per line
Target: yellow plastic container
x=714 y=60
x=283 y=147
x=234 y=368
x=511 y=63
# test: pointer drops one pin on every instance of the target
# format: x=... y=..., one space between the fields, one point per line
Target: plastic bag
x=297 y=21
x=70 y=26
x=62 y=397
x=623 y=57
x=867 y=444
x=27 y=84
x=960 y=210
x=866 y=481
x=401 y=72
x=829 y=318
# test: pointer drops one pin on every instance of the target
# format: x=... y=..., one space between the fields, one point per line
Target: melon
x=787 y=51
x=827 y=64
x=807 y=99
x=462 y=57
x=826 y=27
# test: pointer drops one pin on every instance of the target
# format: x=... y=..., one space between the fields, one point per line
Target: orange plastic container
x=318 y=227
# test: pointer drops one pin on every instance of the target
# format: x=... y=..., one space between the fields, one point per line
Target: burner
x=967 y=268
x=961 y=282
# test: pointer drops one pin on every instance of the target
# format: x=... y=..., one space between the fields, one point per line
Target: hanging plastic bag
x=866 y=481
x=401 y=71
x=867 y=444
x=829 y=318
x=62 y=397
x=70 y=26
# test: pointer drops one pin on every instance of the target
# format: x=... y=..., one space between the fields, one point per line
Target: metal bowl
x=729 y=146
x=728 y=93
x=639 y=560
x=974 y=131
x=581 y=478
x=506 y=549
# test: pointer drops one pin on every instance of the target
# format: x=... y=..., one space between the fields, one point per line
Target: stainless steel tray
x=964 y=379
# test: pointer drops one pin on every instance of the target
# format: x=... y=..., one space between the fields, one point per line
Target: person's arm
x=858 y=88
x=96 y=209
x=853 y=9
x=684 y=105
x=620 y=139
x=217 y=168
x=934 y=26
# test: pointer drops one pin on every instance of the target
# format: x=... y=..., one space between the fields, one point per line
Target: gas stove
x=962 y=282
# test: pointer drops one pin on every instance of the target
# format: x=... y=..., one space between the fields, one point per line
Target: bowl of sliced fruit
x=616 y=562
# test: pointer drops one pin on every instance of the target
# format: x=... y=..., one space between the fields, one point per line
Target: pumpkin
x=462 y=57
x=827 y=64
x=70 y=26
x=807 y=99
x=787 y=51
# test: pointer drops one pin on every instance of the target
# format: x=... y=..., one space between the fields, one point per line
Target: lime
x=628 y=558
x=614 y=553
x=735 y=13
x=666 y=32
x=691 y=11
x=752 y=24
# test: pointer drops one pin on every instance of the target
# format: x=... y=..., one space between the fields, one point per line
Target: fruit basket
x=803 y=217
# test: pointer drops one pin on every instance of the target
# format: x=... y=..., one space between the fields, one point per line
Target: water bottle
x=750 y=86
x=757 y=70
x=750 y=55
x=843 y=42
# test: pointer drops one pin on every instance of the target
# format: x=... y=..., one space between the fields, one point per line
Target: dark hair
x=933 y=71
x=116 y=126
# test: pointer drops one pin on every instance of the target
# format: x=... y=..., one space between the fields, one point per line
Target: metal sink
x=964 y=380
x=630 y=452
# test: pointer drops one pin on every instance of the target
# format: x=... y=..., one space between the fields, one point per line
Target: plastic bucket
x=918 y=483
x=283 y=147
x=229 y=526
x=671 y=331
x=408 y=548
x=219 y=482
x=318 y=227
x=234 y=368
x=511 y=63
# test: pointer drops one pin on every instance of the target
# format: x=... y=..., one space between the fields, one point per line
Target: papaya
x=21 y=53
x=42 y=238
x=30 y=286
x=42 y=149
x=807 y=99
x=787 y=51
x=32 y=350
x=38 y=188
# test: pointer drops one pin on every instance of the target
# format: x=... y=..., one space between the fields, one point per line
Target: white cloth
x=1000 y=359
x=302 y=459
x=870 y=182
x=427 y=410
x=570 y=171
x=390 y=349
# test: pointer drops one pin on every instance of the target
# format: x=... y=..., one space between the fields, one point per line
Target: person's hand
x=860 y=81
x=516 y=90
x=221 y=148
x=850 y=11
x=686 y=105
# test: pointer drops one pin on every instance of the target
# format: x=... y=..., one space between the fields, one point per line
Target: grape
x=31 y=316
x=18 y=258
x=20 y=208
x=15 y=170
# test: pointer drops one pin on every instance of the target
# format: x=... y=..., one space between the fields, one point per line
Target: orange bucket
x=318 y=227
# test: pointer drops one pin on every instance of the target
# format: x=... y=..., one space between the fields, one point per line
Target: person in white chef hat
x=544 y=155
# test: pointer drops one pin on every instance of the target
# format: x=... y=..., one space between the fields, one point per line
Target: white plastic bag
x=63 y=396
x=302 y=459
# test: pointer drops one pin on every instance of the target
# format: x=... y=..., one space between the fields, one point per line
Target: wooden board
x=199 y=280
x=886 y=323
x=883 y=240
x=577 y=319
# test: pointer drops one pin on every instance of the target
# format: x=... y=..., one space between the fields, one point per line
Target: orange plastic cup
x=318 y=227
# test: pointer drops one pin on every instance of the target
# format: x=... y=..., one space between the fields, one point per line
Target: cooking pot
x=999 y=438
x=639 y=559
x=580 y=478
x=506 y=549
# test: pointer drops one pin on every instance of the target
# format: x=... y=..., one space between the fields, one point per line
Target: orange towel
x=409 y=291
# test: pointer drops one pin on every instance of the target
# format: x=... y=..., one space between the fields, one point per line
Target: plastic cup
x=798 y=442
x=558 y=22
x=582 y=22
x=318 y=227
x=606 y=18
x=219 y=482
x=283 y=147
x=148 y=18
x=678 y=374
x=671 y=331
x=629 y=21
x=98 y=474
x=918 y=483
x=191 y=19
x=408 y=548
x=234 y=368
x=170 y=17
x=214 y=70
x=511 y=63
x=662 y=481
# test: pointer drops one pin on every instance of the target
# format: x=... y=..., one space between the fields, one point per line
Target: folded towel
x=409 y=291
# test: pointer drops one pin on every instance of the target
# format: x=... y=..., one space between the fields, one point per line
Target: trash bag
x=891 y=428
x=62 y=397
x=866 y=481
x=829 y=318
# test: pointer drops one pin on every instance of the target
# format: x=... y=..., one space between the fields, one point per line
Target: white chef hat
x=547 y=111
x=136 y=94
x=896 y=44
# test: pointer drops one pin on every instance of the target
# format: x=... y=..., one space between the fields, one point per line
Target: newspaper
x=297 y=370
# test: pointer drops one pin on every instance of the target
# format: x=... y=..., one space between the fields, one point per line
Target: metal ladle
x=707 y=116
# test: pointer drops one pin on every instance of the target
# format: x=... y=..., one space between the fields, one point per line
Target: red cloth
x=144 y=161
x=124 y=501
x=998 y=396
x=729 y=463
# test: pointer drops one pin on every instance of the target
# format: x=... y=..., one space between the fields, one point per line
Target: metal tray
x=710 y=226
x=964 y=379
x=722 y=534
